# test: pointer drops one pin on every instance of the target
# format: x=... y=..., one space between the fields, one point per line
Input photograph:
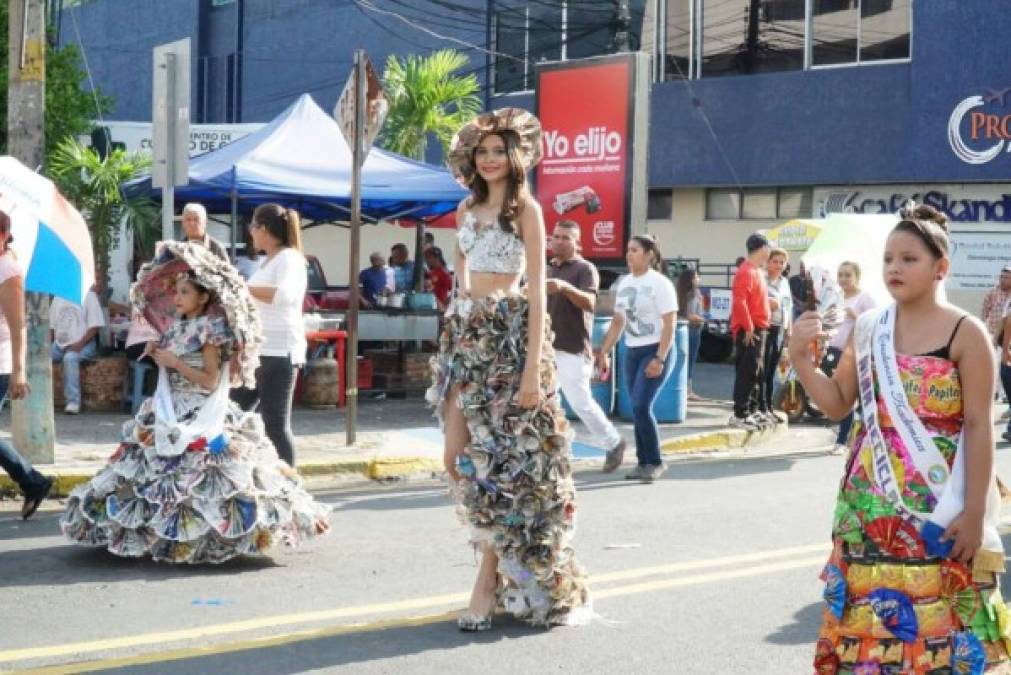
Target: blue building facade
x=761 y=111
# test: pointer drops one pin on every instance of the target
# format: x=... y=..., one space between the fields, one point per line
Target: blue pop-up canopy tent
x=301 y=160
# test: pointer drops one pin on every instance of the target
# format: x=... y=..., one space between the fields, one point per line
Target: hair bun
x=924 y=213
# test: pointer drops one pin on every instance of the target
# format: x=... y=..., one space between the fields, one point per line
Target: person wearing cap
x=749 y=322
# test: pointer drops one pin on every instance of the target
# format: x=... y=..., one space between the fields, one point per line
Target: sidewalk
x=395 y=438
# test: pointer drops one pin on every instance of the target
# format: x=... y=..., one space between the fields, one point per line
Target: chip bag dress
x=891 y=607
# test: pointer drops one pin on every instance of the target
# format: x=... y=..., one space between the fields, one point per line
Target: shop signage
x=979 y=128
x=587 y=112
x=962 y=203
x=136 y=136
x=977 y=258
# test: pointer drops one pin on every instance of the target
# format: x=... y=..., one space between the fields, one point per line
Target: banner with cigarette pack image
x=586 y=112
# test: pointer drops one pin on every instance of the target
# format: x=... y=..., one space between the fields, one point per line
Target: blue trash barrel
x=603 y=391
x=672 y=402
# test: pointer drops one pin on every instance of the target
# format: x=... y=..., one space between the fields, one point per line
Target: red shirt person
x=442 y=280
x=749 y=321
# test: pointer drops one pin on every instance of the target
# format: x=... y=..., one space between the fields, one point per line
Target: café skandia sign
x=979 y=128
x=962 y=203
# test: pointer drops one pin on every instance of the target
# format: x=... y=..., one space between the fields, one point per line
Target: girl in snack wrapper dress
x=911 y=585
x=194 y=479
x=507 y=441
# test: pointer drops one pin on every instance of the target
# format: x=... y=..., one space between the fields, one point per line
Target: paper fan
x=968 y=656
x=835 y=590
x=955 y=577
x=847 y=524
x=896 y=537
x=896 y=613
x=966 y=603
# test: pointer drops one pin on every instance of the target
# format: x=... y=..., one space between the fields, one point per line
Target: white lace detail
x=489 y=248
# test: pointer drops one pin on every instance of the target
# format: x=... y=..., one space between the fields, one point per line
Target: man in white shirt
x=73 y=331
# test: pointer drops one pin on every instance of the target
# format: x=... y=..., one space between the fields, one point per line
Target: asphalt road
x=711 y=570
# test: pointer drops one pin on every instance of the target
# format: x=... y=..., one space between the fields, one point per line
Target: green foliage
x=93 y=186
x=427 y=96
x=70 y=105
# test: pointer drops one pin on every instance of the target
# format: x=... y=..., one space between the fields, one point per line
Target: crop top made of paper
x=489 y=248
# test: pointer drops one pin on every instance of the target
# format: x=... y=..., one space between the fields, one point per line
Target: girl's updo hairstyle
x=928 y=225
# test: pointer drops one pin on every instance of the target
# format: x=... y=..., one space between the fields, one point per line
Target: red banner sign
x=585 y=110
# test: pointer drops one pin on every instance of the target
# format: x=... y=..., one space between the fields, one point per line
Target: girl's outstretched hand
x=805 y=332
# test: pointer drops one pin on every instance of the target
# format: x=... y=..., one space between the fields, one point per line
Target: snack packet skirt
x=222 y=497
x=517 y=493
x=890 y=606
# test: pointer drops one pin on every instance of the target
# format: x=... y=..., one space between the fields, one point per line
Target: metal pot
x=382 y=300
x=397 y=300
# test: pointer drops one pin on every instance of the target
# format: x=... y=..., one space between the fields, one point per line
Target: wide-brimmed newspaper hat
x=153 y=294
x=524 y=124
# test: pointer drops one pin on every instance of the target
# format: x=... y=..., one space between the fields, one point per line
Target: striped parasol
x=50 y=237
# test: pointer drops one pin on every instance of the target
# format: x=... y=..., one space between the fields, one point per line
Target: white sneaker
x=745 y=423
x=72 y=409
x=838 y=449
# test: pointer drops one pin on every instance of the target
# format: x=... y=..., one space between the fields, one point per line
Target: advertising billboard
x=587 y=110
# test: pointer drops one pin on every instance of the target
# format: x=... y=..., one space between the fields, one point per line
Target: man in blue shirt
x=403 y=268
x=373 y=279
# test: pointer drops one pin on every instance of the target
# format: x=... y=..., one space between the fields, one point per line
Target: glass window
x=834 y=32
x=758 y=203
x=219 y=3
x=510 y=43
x=660 y=205
x=884 y=29
x=545 y=35
x=753 y=36
x=678 y=39
x=723 y=204
x=795 y=202
x=588 y=29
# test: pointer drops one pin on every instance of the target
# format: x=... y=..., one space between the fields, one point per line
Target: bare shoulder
x=462 y=208
x=972 y=336
x=530 y=216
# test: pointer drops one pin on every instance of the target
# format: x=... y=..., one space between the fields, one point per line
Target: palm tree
x=92 y=184
x=427 y=95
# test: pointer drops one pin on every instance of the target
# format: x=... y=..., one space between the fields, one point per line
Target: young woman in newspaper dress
x=507 y=441
x=911 y=585
x=194 y=480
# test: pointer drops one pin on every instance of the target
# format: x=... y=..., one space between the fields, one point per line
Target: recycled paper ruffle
x=517 y=493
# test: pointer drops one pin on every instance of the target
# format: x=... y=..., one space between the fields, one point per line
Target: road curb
x=385 y=468
x=724 y=439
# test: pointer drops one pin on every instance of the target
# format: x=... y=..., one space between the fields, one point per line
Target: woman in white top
x=857 y=302
x=645 y=307
x=278 y=287
x=13 y=381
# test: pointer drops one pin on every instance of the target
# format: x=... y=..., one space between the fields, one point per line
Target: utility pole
x=32 y=418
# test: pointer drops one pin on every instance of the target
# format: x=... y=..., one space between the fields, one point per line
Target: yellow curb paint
x=386 y=624
x=718 y=440
x=282 y=620
x=393 y=467
x=321 y=469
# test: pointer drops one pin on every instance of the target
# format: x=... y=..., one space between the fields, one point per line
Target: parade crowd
x=205 y=470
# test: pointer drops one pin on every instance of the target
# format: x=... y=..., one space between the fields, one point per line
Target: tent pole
x=419 y=256
x=235 y=219
x=357 y=154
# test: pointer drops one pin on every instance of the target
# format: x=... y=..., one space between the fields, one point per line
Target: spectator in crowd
x=442 y=281
x=645 y=308
x=798 y=290
x=857 y=302
x=572 y=283
x=73 y=329
x=195 y=229
x=374 y=279
x=995 y=302
x=690 y=309
x=403 y=268
x=13 y=380
x=780 y=320
x=427 y=241
x=278 y=287
x=749 y=323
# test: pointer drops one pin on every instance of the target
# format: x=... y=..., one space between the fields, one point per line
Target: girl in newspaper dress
x=194 y=479
x=911 y=585
x=507 y=441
